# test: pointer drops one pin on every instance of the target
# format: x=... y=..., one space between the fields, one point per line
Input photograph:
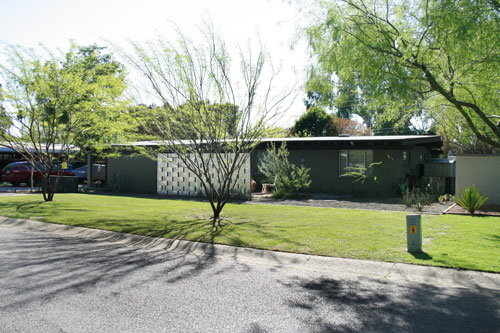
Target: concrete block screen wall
x=176 y=179
x=482 y=171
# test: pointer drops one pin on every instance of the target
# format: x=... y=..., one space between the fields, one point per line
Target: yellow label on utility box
x=413 y=229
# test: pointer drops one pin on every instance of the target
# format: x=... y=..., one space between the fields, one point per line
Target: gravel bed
x=350 y=202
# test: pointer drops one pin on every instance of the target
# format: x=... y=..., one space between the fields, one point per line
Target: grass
x=450 y=241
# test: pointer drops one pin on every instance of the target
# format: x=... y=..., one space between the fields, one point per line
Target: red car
x=20 y=172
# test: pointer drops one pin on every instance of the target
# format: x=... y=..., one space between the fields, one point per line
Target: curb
x=406 y=273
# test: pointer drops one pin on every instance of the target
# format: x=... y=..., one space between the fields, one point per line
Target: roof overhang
x=330 y=142
x=359 y=142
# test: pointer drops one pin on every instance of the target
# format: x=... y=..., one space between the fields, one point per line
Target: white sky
x=55 y=22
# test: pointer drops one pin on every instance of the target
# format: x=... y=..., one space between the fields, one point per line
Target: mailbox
x=414 y=232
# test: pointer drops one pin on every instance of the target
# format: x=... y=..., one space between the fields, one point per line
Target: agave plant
x=471 y=199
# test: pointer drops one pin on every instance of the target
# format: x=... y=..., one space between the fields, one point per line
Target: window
x=356 y=160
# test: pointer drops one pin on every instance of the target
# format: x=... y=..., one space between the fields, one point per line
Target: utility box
x=414 y=232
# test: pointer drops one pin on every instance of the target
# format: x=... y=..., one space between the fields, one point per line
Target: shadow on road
x=43 y=266
x=376 y=305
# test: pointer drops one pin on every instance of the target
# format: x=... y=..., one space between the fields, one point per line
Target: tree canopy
x=416 y=57
x=314 y=122
x=64 y=101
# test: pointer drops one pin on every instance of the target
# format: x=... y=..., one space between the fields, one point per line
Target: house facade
x=387 y=161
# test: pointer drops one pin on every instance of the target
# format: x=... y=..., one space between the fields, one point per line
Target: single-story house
x=397 y=159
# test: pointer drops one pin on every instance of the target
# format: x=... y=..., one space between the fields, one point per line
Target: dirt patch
x=491 y=210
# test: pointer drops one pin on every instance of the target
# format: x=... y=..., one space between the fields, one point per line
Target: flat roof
x=403 y=139
x=427 y=138
x=56 y=149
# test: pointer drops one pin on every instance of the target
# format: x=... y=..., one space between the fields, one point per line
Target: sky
x=55 y=22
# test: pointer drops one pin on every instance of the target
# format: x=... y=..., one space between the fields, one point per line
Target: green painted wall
x=132 y=174
x=138 y=174
x=324 y=165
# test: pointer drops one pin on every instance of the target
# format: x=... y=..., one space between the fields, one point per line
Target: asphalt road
x=57 y=282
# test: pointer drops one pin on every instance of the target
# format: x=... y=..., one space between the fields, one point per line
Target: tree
x=314 y=122
x=347 y=100
x=102 y=120
x=52 y=104
x=351 y=127
x=319 y=89
x=457 y=136
x=441 y=54
x=211 y=118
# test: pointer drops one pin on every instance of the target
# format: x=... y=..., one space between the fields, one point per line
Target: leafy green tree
x=347 y=100
x=54 y=103
x=414 y=53
x=5 y=122
x=457 y=136
x=314 y=122
x=219 y=111
x=101 y=117
x=319 y=90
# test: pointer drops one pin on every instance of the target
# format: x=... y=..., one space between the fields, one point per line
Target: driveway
x=17 y=190
x=64 y=279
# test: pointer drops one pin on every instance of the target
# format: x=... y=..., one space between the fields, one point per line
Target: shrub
x=295 y=181
x=470 y=199
x=289 y=180
x=446 y=197
x=417 y=196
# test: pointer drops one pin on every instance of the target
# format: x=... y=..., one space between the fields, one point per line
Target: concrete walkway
x=411 y=274
x=18 y=190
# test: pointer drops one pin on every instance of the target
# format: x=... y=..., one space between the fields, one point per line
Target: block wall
x=175 y=179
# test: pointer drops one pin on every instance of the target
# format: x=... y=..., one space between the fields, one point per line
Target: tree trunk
x=31 y=180
x=48 y=192
x=217 y=210
x=216 y=216
x=44 y=188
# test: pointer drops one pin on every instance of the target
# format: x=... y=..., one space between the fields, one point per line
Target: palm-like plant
x=471 y=199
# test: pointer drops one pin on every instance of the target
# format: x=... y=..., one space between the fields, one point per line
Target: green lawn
x=452 y=241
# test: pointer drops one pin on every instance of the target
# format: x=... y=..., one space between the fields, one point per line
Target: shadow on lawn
x=193 y=229
x=163 y=197
x=421 y=255
x=33 y=208
x=376 y=305
x=197 y=230
x=494 y=238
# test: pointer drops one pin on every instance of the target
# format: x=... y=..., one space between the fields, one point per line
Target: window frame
x=367 y=172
